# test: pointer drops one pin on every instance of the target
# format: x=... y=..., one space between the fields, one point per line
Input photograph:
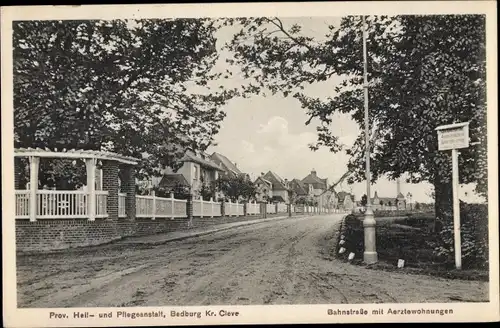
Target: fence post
x=201 y=207
x=173 y=204
x=211 y=207
x=90 y=164
x=153 y=215
x=34 y=167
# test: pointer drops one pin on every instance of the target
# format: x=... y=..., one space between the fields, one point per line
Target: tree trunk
x=443 y=203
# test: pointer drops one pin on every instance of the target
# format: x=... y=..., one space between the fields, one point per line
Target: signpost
x=453 y=137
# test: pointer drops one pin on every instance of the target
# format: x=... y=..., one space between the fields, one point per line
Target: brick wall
x=110 y=184
x=61 y=234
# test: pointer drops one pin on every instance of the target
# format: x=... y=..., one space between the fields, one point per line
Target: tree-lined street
x=287 y=261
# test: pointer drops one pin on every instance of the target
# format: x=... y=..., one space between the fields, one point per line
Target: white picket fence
x=271 y=208
x=209 y=208
x=253 y=208
x=63 y=204
x=234 y=209
x=60 y=204
x=282 y=208
x=155 y=207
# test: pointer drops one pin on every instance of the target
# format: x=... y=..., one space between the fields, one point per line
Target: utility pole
x=369 y=223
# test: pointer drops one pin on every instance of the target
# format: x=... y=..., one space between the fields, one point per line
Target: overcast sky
x=265 y=133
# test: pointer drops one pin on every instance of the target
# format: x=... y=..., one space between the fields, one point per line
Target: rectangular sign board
x=453 y=136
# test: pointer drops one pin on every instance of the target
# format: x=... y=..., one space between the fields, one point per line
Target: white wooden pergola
x=89 y=156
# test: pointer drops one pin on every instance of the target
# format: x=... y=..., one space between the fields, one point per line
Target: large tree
x=424 y=71
x=135 y=87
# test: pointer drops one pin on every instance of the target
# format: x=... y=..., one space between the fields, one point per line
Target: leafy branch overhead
x=135 y=87
x=423 y=71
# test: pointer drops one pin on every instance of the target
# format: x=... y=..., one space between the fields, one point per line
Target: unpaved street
x=281 y=262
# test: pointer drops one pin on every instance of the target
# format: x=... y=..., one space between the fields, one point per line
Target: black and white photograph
x=187 y=168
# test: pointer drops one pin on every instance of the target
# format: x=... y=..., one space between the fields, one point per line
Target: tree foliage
x=236 y=187
x=423 y=71
x=134 y=87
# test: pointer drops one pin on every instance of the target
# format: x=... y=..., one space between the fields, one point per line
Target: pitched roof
x=264 y=180
x=228 y=166
x=173 y=180
x=342 y=195
x=277 y=182
x=191 y=157
x=313 y=179
x=298 y=187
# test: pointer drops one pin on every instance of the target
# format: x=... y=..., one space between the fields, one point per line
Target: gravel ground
x=281 y=262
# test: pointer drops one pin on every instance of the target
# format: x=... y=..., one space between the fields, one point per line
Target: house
x=197 y=170
x=314 y=184
x=299 y=191
x=264 y=189
x=280 y=188
x=230 y=168
x=346 y=200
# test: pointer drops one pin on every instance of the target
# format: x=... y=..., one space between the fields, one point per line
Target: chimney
x=313 y=172
x=398 y=187
x=261 y=174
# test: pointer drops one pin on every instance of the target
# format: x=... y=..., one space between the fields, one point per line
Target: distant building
x=398 y=202
x=346 y=200
x=280 y=187
x=264 y=189
x=197 y=170
x=230 y=168
x=314 y=184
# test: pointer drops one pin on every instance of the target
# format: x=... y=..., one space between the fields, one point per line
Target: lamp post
x=370 y=252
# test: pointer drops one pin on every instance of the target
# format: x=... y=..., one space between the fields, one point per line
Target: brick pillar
x=17 y=173
x=276 y=207
x=223 y=207
x=245 y=208
x=189 y=208
x=128 y=187
x=110 y=184
x=289 y=209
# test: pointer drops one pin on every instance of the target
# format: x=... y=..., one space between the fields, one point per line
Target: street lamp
x=370 y=253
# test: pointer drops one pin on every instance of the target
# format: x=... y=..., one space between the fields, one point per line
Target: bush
x=474 y=237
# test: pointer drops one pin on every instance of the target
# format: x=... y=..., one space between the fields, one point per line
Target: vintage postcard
x=244 y=163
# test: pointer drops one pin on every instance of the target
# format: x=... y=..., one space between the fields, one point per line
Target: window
x=195 y=172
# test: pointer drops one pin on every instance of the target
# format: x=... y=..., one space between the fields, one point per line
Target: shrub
x=474 y=237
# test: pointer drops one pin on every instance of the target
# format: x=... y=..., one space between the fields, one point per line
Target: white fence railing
x=203 y=208
x=282 y=208
x=234 y=209
x=59 y=204
x=158 y=207
x=253 y=208
x=271 y=208
x=62 y=204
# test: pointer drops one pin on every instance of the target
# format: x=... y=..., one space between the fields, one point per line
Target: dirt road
x=282 y=262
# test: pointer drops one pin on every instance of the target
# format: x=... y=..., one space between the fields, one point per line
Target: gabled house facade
x=264 y=189
x=229 y=168
x=314 y=184
x=197 y=170
x=280 y=187
x=346 y=201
